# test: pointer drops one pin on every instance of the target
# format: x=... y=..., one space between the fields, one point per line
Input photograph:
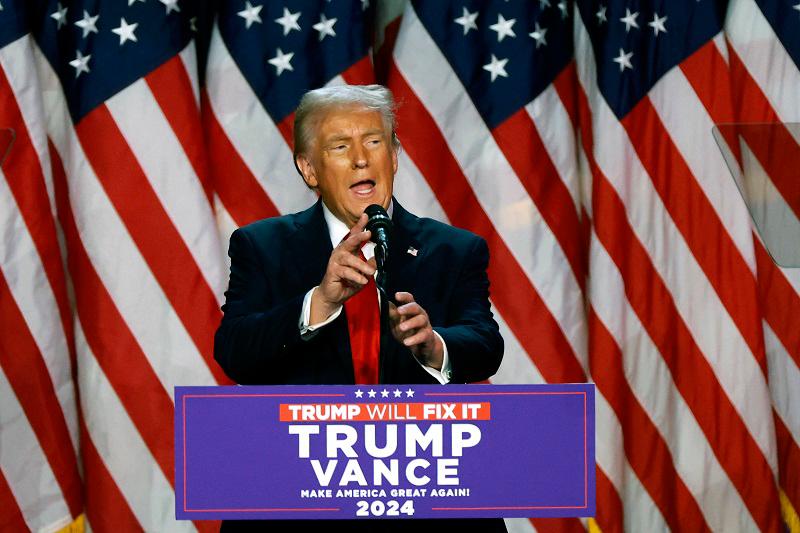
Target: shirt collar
x=337 y=230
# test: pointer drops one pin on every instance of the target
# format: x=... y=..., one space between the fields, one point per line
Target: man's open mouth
x=363 y=187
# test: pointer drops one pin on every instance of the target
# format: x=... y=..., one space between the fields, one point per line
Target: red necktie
x=363 y=322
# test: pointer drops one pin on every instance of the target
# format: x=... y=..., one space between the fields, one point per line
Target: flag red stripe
x=512 y=292
x=698 y=222
x=557 y=525
x=236 y=186
x=25 y=178
x=27 y=374
x=645 y=448
x=360 y=72
x=11 y=518
x=106 y=507
x=650 y=298
x=776 y=151
x=779 y=303
x=788 y=462
x=610 y=513
x=172 y=88
x=523 y=148
x=152 y=230
x=119 y=355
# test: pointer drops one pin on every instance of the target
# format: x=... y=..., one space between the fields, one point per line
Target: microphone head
x=378 y=219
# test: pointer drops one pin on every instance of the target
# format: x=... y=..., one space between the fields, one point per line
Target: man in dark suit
x=290 y=315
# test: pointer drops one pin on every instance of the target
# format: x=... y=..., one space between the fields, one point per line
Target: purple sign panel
x=384 y=451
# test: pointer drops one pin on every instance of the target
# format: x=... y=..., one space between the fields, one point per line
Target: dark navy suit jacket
x=274 y=262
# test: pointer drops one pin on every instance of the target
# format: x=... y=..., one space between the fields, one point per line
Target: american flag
x=574 y=136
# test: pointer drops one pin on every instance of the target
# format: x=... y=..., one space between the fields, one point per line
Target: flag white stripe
x=25 y=466
x=784 y=380
x=552 y=121
x=126 y=457
x=411 y=188
x=252 y=132
x=651 y=382
x=189 y=59
x=496 y=187
x=136 y=293
x=149 y=135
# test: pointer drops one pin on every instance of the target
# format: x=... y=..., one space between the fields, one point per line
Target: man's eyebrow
x=336 y=138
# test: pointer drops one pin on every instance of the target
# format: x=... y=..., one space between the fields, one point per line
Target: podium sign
x=384 y=451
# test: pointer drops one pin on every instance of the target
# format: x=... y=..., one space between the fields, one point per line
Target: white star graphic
x=601 y=15
x=88 y=23
x=60 y=15
x=250 y=14
x=171 y=5
x=410 y=393
x=131 y=2
x=384 y=393
x=630 y=20
x=543 y=4
x=359 y=393
x=503 y=28
x=125 y=31
x=538 y=35
x=467 y=20
x=497 y=67
x=281 y=61
x=289 y=21
x=325 y=26
x=563 y=7
x=364 y=5
x=371 y=393
x=658 y=24
x=80 y=63
x=797 y=7
x=398 y=393
x=1 y=6
x=624 y=60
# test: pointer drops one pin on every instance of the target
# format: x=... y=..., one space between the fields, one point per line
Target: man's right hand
x=345 y=275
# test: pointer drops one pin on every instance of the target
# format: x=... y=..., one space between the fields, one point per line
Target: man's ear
x=306 y=170
x=394 y=160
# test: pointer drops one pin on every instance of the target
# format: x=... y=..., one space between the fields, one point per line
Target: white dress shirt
x=338 y=230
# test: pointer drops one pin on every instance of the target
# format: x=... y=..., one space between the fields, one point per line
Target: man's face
x=351 y=161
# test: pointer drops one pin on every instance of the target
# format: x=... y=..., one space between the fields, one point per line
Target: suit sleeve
x=257 y=333
x=474 y=344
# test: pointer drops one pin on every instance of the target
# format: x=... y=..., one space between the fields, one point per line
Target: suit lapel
x=402 y=265
x=310 y=245
x=311 y=249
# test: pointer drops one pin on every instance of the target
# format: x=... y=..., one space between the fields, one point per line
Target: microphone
x=380 y=225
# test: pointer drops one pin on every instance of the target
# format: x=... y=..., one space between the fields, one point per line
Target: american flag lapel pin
x=413 y=251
